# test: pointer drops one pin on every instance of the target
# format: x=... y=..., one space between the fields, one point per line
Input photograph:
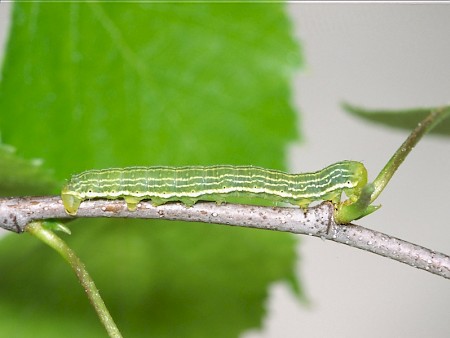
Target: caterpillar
x=214 y=183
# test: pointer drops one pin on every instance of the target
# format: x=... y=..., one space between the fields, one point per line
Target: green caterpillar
x=214 y=183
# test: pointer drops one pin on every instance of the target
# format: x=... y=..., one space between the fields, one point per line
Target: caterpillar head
x=356 y=181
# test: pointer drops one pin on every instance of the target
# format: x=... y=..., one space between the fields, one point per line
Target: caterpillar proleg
x=214 y=183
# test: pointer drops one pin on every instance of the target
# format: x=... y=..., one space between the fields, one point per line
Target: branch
x=17 y=212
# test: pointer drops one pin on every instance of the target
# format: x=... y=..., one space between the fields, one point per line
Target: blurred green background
x=92 y=85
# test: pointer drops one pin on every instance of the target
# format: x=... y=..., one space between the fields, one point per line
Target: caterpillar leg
x=349 y=210
x=71 y=203
x=132 y=202
x=157 y=201
x=336 y=198
x=188 y=202
x=304 y=204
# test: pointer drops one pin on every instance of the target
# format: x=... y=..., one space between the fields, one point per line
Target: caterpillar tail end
x=71 y=203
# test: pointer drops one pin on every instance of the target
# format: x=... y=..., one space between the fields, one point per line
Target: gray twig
x=16 y=213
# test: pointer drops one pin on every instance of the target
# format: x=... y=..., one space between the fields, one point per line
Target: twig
x=16 y=213
x=429 y=122
x=50 y=238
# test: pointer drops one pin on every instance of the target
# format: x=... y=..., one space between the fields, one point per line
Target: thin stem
x=434 y=118
x=317 y=221
x=48 y=237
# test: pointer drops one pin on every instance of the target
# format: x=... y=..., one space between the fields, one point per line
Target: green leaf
x=20 y=176
x=404 y=119
x=96 y=85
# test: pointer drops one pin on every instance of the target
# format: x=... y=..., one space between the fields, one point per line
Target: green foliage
x=20 y=176
x=403 y=119
x=92 y=85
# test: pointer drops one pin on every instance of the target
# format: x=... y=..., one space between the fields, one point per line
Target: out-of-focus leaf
x=403 y=119
x=116 y=84
x=19 y=176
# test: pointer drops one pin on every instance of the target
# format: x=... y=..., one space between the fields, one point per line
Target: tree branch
x=17 y=212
